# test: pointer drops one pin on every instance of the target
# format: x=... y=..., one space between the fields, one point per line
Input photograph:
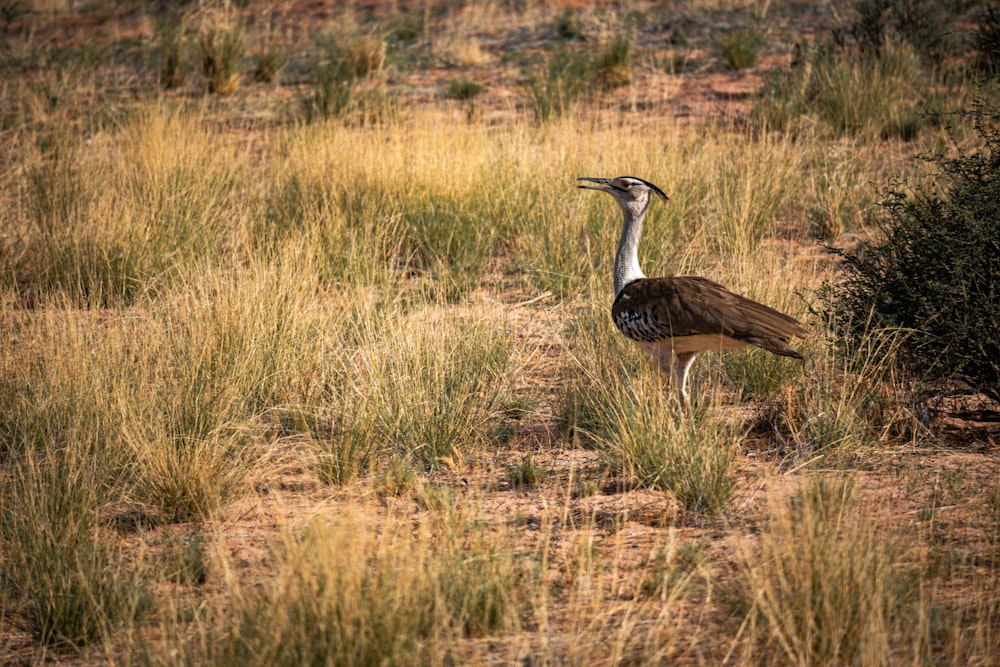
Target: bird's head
x=628 y=191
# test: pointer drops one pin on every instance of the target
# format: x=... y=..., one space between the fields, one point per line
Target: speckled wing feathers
x=650 y=310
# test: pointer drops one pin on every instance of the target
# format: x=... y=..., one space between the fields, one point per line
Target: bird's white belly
x=686 y=344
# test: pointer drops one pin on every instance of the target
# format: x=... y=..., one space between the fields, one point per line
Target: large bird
x=675 y=318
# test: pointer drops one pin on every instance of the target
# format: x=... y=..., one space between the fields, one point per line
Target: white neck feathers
x=627 y=258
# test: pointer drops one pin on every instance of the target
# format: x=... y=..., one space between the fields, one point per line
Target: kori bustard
x=675 y=318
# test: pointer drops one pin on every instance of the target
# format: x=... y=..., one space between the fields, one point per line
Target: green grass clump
x=169 y=37
x=220 y=48
x=332 y=95
x=236 y=344
x=602 y=362
x=408 y=26
x=853 y=94
x=739 y=48
x=756 y=374
x=553 y=89
x=328 y=605
x=435 y=233
x=169 y=401
x=753 y=186
x=615 y=64
x=675 y=571
x=464 y=88
x=52 y=392
x=439 y=389
x=68 y=251
x=824 y=585
x=67 y=574
x=396 y=477
x=345 y=80
x=185 y=560
x=526 y=474
x=356 y=56
x=270 y=62
x=444 y=239
x=692 y=456
x=851 y=405
x=422 y=393
x=347 y=594
x=104 y=231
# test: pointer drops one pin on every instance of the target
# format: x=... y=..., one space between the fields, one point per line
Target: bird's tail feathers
x=776 y=345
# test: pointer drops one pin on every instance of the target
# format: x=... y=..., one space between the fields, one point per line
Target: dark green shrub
x=986 y=39
x=935 y=271
x=926 y=25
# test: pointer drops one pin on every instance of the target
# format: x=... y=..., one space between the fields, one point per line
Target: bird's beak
x=602 y=181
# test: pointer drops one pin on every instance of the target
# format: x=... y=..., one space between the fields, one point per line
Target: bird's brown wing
x=655 y=309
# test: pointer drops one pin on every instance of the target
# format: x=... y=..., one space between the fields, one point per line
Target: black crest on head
x=649 y=185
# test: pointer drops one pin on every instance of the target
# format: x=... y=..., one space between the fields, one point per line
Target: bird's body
x=675 y=318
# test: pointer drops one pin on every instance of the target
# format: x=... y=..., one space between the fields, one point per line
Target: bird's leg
x=679 y=368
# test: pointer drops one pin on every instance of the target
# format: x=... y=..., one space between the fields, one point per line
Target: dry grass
x=826 y=587
x=345 y=593
x=342 y=388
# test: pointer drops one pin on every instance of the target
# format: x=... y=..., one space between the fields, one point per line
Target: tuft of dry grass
x=104 y=231
x=172 y=397
x=347 y=592
x=851 y=94
x=220 y=44
x=69 y=578
x=852 y=406
x=739 y=48
x=825 y=585
x=426 y=393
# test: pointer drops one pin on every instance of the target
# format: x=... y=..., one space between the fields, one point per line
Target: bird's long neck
x=627 y=258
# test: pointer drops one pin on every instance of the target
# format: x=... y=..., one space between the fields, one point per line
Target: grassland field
x=306 y=355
